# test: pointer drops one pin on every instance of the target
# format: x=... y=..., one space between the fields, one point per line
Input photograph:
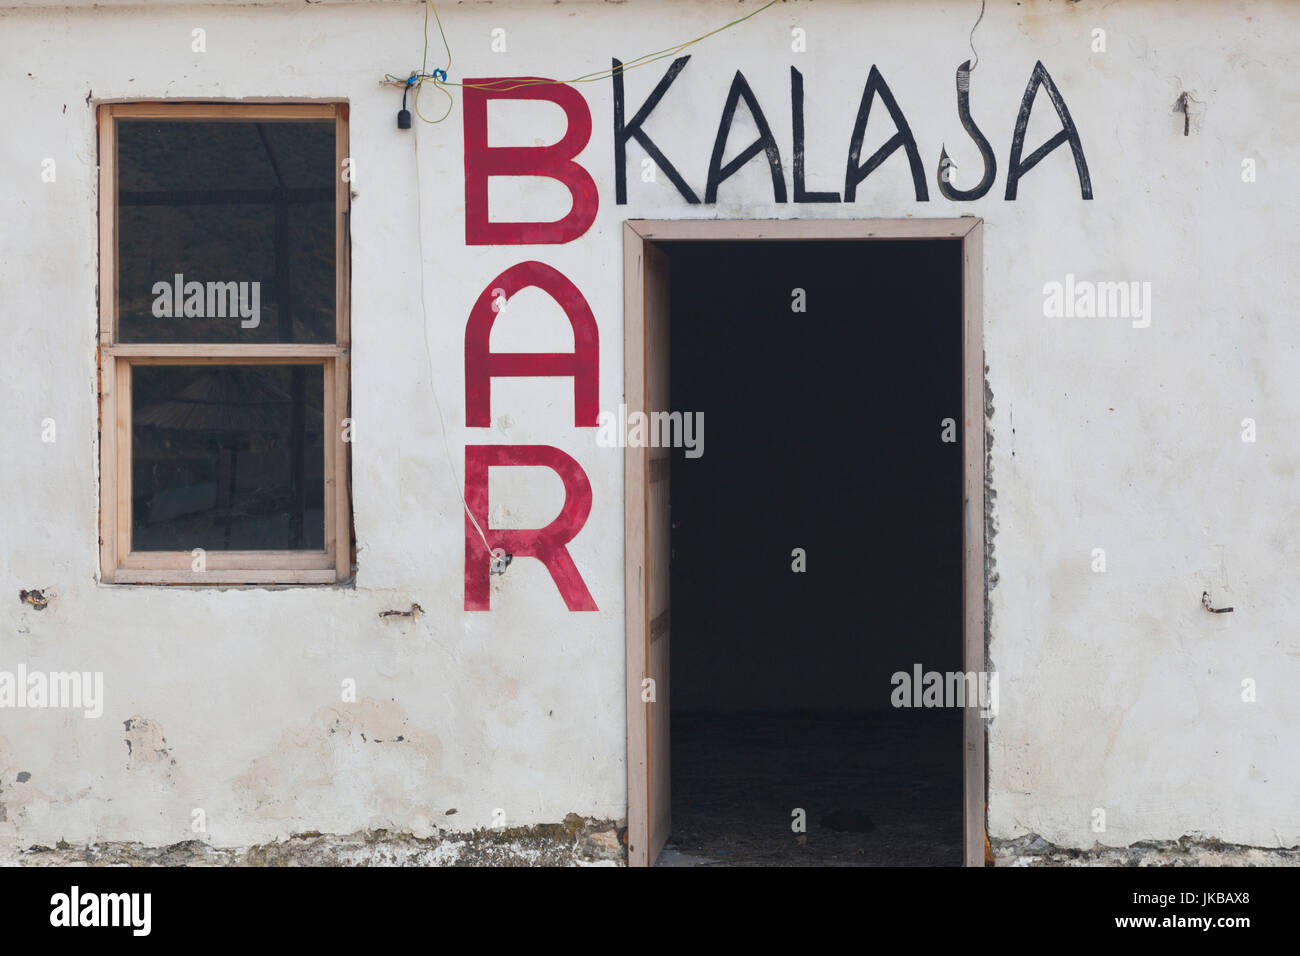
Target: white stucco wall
x=1118 y=691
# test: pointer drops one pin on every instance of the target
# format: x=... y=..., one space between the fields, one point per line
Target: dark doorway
x=824 y=371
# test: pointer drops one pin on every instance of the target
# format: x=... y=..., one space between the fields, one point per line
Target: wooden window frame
x=118 y=563
x=637 y=566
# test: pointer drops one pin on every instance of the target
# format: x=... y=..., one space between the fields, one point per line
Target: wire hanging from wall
x=439 y=76
x=497 y=557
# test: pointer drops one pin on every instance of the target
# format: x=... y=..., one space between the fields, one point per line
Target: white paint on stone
x=1118 y=690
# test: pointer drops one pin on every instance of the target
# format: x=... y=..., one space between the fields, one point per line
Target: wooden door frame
x=637 y=233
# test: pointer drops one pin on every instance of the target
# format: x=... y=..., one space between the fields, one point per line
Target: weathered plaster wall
x=1118 y=691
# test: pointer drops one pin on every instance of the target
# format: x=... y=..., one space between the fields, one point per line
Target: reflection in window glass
x=227 y=457
x=226 y=231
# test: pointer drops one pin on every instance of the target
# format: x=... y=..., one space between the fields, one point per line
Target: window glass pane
x=227 y=457
x=225 y=231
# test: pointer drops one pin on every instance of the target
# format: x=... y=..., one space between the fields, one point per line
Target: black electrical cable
x=404 y=115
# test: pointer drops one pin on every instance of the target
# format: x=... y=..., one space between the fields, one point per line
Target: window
x=224 y=340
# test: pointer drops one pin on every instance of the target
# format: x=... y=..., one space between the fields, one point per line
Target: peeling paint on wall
x=393 y=766
x=1033 y=850
x=145 y=744
x=579 y=841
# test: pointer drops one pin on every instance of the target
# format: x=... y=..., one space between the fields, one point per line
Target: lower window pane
x=227 y=457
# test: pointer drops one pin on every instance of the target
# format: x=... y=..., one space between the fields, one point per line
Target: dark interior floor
x=736 y=778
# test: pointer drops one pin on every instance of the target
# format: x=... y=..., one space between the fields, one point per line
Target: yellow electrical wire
x=416 y=103
x=418 y=80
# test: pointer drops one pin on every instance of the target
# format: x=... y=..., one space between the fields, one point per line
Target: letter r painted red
x=545 y=544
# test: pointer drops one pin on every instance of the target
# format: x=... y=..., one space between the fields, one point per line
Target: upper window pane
x=225 y=231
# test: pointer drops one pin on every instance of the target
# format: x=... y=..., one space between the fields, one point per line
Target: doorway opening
x=804 y=556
